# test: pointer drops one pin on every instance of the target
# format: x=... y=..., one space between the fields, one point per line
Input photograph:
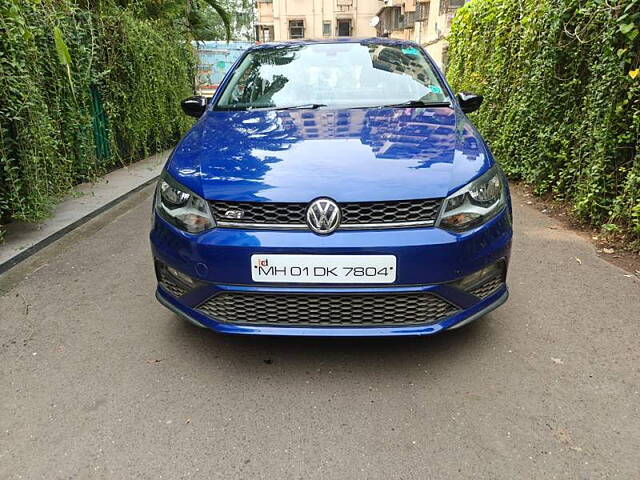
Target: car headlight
x=181 y=207
x=475 y=203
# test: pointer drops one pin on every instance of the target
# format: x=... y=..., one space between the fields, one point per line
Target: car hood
x=360 y=155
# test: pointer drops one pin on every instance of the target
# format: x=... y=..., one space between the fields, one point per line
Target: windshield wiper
x=308 y=106
x=258 y=108
x=417 y=104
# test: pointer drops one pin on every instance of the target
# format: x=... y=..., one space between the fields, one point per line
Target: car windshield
x=334 y=75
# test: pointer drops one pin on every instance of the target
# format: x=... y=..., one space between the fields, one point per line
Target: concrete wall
x=265 y=13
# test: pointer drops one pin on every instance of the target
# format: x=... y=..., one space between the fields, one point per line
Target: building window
x=397 y=19
x=422 y=11
x=392 y=19
x=326 y=29
x=409 y=19
x=296 y=29
x=264 y=33
x=344 y=28
x=450 y=5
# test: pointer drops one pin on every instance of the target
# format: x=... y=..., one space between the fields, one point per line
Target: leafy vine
x=561 y=80
x=58 y=61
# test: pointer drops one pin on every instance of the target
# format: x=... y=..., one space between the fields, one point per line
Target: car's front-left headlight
x=475 y=203
x=181 y=207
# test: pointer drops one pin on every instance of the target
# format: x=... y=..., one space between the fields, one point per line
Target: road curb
x=28 y=252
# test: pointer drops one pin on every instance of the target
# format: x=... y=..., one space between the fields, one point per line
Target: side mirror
x=194 y=106
x=469 y=102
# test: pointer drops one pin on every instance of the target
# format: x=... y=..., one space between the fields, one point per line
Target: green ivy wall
x=562 y=97
x=82 y=91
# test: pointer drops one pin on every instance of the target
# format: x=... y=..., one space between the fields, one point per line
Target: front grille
x=353 y=214
x=488 y=287
x=390 y=212
x=327 y=309
x=270 y=213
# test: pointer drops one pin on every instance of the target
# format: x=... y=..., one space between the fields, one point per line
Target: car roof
x=369 y=40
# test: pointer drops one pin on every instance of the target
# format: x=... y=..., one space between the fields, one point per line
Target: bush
x=562 y=97
x=119 y=92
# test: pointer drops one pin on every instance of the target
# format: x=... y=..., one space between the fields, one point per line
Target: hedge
x=84 y=89
x=562 y=97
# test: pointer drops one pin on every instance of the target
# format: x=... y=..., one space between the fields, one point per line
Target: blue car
x=332 y=188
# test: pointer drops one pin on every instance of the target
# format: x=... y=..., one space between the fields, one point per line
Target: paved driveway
x=97 y=380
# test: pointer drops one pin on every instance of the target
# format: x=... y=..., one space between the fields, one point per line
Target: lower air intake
x=172 y=288
x=327 y=309
x=488 y=287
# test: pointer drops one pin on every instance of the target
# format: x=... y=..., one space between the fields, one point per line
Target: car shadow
x=300 y=356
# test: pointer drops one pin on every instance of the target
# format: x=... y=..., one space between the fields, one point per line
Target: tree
x=193 y=16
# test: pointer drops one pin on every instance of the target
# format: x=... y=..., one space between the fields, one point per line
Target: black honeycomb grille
x=360 y=213
x=488 y=287
x=327 y=310
x=390 y=212
x=172 y=288
x=167 y=281
x=269 y=213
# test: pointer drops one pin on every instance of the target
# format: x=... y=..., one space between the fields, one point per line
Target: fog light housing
x=481 y=276
x=168 y=275
x=184 y=278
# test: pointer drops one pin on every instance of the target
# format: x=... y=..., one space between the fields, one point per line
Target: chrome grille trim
x=377 y=226
x=304 y=226
x=264 y=226
x=328 y=309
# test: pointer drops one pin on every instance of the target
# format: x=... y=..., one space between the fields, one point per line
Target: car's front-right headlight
x=475 y=203
x=181 y=207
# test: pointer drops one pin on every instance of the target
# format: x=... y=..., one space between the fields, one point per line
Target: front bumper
x=428 y=261
x=456 y=321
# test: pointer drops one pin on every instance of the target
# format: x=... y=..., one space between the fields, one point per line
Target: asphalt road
x=97 y=380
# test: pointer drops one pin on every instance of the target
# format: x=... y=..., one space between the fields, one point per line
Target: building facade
x=425 y=22
x=292 y=19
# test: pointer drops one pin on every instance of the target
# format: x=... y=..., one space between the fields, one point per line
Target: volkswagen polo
x=332 y=188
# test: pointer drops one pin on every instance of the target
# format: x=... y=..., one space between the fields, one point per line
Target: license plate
x=323 y=268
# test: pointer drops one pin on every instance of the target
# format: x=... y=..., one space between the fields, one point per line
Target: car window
x=333 y=75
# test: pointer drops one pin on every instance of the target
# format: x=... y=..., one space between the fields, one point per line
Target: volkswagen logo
x=323 y=216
